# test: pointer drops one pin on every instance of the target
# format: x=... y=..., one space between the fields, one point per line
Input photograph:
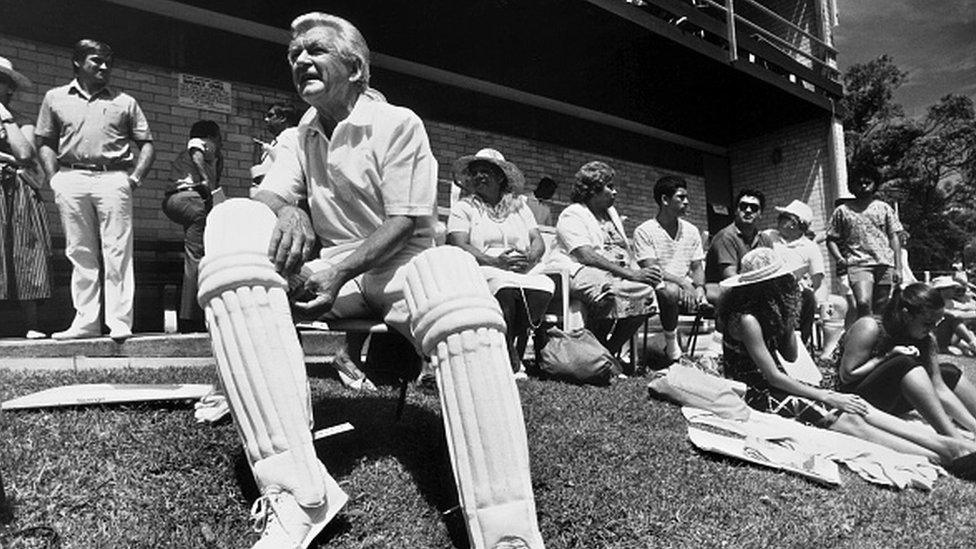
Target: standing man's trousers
x=96 y=213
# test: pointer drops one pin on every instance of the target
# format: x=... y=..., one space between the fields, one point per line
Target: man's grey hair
x=350 y=44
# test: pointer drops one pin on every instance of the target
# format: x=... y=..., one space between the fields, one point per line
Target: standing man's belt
x=97 y=167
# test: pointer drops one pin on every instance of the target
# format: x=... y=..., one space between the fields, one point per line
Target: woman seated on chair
x=493 y=223
x=592 y=244
x=759 y=312
x=892 y=364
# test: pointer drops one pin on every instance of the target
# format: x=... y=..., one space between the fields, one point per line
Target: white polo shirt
x=377 y=164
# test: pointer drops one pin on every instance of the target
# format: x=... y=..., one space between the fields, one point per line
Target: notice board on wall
x=200 y=92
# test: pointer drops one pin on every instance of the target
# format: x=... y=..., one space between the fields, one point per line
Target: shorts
x=879 y=275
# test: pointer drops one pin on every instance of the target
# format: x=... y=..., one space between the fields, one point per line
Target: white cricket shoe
x=286 y=524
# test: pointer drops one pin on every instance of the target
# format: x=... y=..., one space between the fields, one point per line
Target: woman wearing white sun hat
x=494 y=224
x=25 y=243
x=759 y=312
x=790 y=241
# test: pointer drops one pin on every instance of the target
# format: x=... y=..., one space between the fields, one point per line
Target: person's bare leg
x=668 y=300
x=916 y=386
x=624 y=330
x=600 y=327
x=859 y=427
x=965 y=391
x=863 y=297
x=881 y=293
x=348 y=362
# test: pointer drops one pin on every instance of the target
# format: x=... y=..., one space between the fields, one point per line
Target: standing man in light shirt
x=674 y=245
x=96 y=146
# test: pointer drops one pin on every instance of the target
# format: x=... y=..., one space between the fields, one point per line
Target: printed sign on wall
x=204 y=93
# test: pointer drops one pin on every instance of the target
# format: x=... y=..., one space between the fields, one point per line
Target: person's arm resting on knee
x=587 y=255
x=388 y=239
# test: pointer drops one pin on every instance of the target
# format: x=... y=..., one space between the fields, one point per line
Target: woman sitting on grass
x=759 y=312
x=892 y=363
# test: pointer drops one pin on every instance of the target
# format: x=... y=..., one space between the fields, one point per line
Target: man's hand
x=896 y=277
x=648 y=275
x=691 y=295
x=320 y=291
x=292 y=241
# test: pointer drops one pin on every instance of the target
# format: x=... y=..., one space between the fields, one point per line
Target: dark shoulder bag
x=576 y=357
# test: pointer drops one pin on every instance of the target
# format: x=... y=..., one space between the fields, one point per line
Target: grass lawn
x=611 y=468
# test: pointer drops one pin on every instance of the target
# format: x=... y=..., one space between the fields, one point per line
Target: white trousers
x=96 y=214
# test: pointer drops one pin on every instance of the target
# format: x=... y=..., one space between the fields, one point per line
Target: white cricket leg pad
x=259 y=358
x=457 y=321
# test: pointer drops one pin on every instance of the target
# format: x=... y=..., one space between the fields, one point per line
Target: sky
x=934 y=40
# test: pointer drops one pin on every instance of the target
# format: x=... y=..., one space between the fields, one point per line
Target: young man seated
x=675 y=246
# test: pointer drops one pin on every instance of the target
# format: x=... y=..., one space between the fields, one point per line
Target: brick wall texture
x=155 y=90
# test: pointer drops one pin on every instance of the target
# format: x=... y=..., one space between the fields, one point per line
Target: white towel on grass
x=872 y=462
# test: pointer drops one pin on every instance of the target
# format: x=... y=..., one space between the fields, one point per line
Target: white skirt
x=500 y=278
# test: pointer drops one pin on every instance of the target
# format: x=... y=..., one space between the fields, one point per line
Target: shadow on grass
x=416 y=441
x=6 y=506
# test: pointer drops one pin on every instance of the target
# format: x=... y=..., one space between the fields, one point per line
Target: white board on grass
x=107 y=393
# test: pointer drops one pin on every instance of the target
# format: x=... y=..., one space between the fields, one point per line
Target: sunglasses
x=748 y=207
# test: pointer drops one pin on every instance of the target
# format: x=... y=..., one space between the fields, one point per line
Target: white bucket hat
x=802 y=212
x=514 y=176
x=7 y=68
x=757 y=266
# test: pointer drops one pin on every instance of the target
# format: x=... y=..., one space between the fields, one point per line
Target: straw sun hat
x=516 y=181
x=7 y=68
x=759 y=265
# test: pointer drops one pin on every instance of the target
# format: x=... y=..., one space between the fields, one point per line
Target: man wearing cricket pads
x=367 y=172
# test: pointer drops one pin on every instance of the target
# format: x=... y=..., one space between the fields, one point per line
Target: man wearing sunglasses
x=731 y=243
